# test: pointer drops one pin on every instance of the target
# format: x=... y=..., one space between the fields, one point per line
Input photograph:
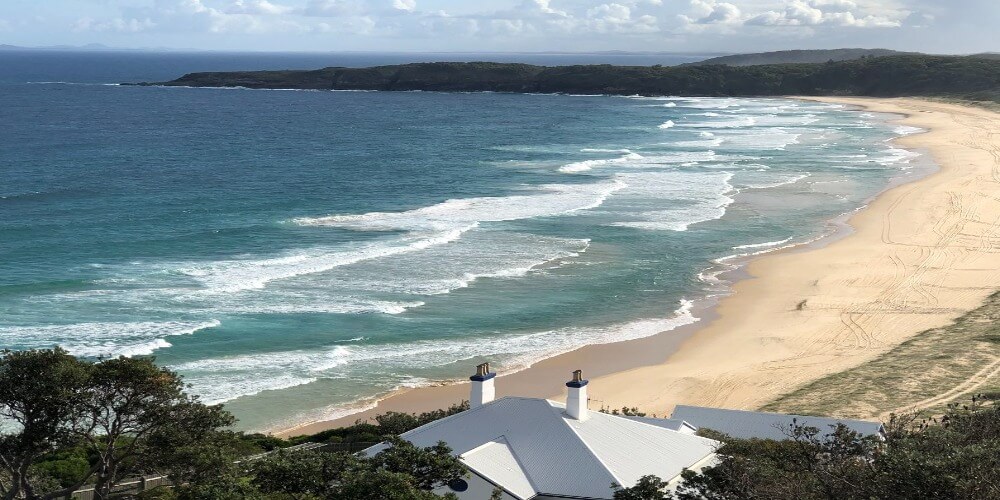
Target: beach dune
x=919 y=256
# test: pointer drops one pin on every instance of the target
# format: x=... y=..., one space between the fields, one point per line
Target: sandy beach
x=920 y=255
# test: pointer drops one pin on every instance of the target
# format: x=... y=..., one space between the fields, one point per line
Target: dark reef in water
x=971 y=77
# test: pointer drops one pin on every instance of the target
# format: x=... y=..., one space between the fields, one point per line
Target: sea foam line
x=226 y=378
x=103 y=339
x=543 y=201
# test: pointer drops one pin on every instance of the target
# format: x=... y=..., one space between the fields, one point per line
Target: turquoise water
x=295 y=254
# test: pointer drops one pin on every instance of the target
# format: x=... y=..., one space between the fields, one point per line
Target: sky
x=935 y=26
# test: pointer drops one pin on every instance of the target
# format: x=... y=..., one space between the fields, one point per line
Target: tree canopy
x=67 y=422
x=956 y=456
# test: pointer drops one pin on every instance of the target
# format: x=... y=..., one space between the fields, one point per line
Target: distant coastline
x=970 y=77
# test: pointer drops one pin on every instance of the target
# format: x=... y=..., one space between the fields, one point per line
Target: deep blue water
x=293 y=253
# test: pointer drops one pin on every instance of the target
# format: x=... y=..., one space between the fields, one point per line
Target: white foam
x=742 y=121
x=218 y=380
x=895 y=155
x=601 y=150
x=543 y=201
x=779 y=180
x=711 y=143
x=770 y=138
x=766 y=244
x=710 y=103
x=583 y=166
x=250 y=274
x=693 y=197
x=485 y=254
x=907 y=130
x=226 y=378
x=277 y=304
x=665 y=125
x=102 y=339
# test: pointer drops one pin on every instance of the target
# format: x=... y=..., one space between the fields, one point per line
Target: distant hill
x=988 y=55
x=796 y=57
x=901 y=75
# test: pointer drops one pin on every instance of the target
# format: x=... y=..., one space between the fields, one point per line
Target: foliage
x=647 y=488
x=401 y=471
x=956 y=457
x=969 y=77
x=625 y=411
x=78 y=422
x=130 y=400
x=41 y=394
x=429 y=467
x=299 y=474
x=387 y=424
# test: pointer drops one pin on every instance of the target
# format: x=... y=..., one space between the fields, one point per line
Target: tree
x=75 y=421
x=300 y=474
x=402 y=471
x=41 y=395
x=956 y=456
x=429 y=467
x=380 y=484
x=130 y=400
x=647 y=488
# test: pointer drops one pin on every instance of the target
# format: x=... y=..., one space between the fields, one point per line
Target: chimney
x=576 y=399
x=482 y=386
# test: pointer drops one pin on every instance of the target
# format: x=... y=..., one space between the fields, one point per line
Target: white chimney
x=482 y=386
x=576 y=399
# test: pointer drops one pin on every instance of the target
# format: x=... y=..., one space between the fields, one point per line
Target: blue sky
x=939 y=26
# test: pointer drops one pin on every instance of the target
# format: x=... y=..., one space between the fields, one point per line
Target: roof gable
x=497 y=463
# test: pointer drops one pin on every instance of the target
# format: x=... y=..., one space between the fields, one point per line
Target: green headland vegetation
x=964 y=77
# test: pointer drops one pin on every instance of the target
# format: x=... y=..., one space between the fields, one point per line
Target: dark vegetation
x=66 y=423
x=966 y=77
x=956 y=456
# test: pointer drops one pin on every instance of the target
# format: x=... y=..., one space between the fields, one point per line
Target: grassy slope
x=933 y=368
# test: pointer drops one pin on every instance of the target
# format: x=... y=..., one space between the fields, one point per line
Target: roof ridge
x=524 y=470
x=590 y=450
x=685 y=435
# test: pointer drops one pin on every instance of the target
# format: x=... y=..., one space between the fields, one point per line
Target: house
x=762 y=425
x=534 y=448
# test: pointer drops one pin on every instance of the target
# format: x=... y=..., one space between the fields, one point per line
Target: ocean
x=297 y=254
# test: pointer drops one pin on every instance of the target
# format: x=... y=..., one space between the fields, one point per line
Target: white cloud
x=257 y=7
x=332 y=8
x=407 y=5
x=567 y=22
x=825 y=12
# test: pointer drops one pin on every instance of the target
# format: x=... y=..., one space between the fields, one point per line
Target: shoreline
x=693 y=364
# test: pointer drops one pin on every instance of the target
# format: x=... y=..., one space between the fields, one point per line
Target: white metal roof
x=497 y=463
x=557 y=455
x=673 y=424
x=753 y=424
